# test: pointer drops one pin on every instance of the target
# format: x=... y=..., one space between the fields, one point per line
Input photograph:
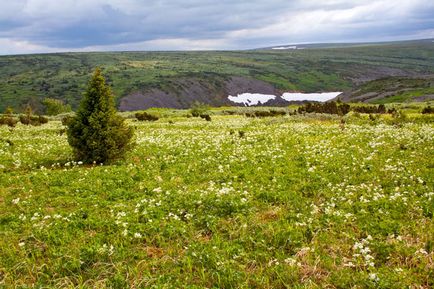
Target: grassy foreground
x=289 y=202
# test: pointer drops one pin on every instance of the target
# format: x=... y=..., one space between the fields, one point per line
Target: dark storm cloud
x=52 y=25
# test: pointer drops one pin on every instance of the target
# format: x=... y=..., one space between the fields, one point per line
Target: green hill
x=176 y=79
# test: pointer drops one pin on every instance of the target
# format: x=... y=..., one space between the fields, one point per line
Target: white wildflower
x=374 y=277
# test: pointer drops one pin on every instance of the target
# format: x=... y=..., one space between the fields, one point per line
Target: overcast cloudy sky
x=28 y=26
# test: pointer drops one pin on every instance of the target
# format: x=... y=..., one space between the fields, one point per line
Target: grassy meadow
x=281 y=202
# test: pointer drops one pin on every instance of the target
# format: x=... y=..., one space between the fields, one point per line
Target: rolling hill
x=176 y=79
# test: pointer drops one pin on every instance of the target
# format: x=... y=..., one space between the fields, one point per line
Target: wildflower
x=292 y=262
x=137 y=235
x=421 y=251
x=373 y=277
x=15 y=201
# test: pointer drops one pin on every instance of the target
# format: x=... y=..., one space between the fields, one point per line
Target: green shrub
x=34 y=120
x=29 y=119
x=24 y=119
x=66 y=120
x=266 y=113
x=206 y=117
x=144 y=116
x=8 y=120
x=381 y=109
x=197 y=109
x=55 y=106
x=9 y=111
x=42 y=119
x=97 y=133
x=330 y=107
x=428 y=110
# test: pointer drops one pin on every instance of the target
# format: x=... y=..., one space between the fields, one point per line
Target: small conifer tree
x=97 y=133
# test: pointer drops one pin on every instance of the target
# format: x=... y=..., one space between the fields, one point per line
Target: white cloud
x=165 y=44
x=70 y=25
x=309 y=24
x=9 y=46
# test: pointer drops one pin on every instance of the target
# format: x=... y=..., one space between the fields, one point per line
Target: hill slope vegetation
x=176 y=79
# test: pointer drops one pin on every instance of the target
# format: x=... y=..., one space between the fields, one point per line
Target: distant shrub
x=399 y=117
x=372 y=117
x=42 y=119
x=29 y=119
x=265 y=113
x=9 y=111
x=381 y=109
x=428 y=110
x=197 y=109
x=24 y=119
x=206 y=117
x=55 y=106
x=8 y=120
x=144 y=116
x=33 y=119
x=330 y=107
x=66 y=120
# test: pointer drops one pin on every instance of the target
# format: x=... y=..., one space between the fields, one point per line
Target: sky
x=41 y=26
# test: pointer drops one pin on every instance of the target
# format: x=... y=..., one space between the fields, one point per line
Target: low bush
x=34 y=120
x=331 y=107
x=266 y=113
x=42 y=119
x=8 y=120
x=206 y=117
x=197 y=109
x=428 y=110
x=144 y=116
x=370 y=109
x=66 y=120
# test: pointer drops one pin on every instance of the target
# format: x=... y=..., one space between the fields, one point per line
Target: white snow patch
x=251 y=98
x=284 y=47
x=324 y=96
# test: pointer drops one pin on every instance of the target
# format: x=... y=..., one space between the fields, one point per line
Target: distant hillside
x=392 y=89
x=349 y=45
x=176 y=79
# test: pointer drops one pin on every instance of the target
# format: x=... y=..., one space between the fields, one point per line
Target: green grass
x=296 y=202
